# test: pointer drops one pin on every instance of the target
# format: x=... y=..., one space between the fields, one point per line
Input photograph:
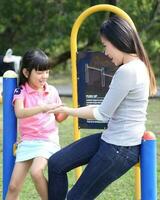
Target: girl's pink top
x=41 y=126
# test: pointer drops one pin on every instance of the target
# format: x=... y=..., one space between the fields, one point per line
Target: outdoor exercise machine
x=148 y=148
x=146 y=175
x=8 y=62
x=85 y=94
x=9 y=128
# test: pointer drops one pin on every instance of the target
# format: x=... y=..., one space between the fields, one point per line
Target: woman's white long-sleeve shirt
x=125 y=104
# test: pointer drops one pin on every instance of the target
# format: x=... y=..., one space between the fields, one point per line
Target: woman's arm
x=83 y=112
x=122 y=82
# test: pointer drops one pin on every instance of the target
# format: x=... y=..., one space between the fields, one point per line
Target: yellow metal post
x=137 y=182
x=73 y=44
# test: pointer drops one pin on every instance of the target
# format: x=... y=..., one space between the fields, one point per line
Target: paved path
x=158 y=93
x=66 y=90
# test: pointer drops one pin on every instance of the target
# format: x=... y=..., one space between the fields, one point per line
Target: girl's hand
x=49 y=107
x=58 y=109
x=60 y=117
x=59 y=112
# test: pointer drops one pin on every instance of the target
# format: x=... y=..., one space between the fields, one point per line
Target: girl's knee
x=13 y=188
x=36 y=174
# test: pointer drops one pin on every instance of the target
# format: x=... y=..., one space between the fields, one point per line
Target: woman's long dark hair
x=33 y=59
x=125 y=38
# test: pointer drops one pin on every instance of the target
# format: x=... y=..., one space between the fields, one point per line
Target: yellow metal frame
x=1 y=99
x=73 y=44
x=137 y=182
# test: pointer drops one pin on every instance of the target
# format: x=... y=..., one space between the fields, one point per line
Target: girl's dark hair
x=33 y=59
x=125 y=38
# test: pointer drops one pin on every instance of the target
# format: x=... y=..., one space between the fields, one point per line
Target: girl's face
x=37 y=79
x=116 y=56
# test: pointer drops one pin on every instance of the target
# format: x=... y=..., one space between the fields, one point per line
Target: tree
x=47 y=24
x=146 y=15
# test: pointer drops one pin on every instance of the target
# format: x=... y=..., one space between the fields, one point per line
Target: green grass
x=122 y=189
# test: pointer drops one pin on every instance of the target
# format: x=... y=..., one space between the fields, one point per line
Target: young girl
x=113 y=152
x=38 y=129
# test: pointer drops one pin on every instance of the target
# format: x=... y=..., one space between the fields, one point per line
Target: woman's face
x=112 y=52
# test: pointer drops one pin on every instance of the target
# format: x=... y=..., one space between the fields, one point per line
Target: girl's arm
x=22 y=112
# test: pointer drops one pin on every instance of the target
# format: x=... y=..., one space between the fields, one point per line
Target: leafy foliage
x=146 y=15
x=47 y=24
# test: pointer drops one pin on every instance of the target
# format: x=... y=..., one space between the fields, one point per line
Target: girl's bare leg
x=19 y=173
x=38 y=177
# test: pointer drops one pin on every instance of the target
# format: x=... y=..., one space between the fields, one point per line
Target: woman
x=113 y=152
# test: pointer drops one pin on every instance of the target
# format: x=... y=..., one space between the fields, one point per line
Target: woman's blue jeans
x=105 y=163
